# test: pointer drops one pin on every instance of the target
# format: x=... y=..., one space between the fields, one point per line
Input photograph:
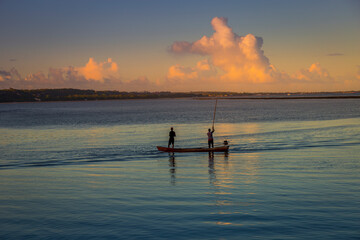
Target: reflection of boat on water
x=214 y=149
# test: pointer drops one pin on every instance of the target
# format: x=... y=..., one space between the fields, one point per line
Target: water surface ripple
x=90 y=170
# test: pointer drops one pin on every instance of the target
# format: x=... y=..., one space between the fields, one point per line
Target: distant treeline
x=68 y=94
x=15 y=95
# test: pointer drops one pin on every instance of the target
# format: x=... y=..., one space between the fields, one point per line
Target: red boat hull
x=215 y=149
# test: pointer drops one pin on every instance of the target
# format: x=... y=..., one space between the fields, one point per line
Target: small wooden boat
x=214 y=149
x=224 y=148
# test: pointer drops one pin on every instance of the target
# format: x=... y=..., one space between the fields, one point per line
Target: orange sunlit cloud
x=202 y=69
x=314 y=73
x=94 y=75
x=239 y=63
x=231 y=63
x=99 y=71
x=241 y=59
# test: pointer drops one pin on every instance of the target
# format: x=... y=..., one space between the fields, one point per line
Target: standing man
x=172 y=136
x=210 y=137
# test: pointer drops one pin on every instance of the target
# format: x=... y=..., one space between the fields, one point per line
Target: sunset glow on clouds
x=240 y=58
x=93 y=74
x=242 y=62
x=99 y=71
x=314 y=73
x=201 y=70
x=223 y=60
x=97 y=75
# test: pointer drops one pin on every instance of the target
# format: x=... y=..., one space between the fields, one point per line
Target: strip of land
x=68 y=94
x=281 y=98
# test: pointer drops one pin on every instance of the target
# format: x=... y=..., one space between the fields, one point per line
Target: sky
x=181 y=46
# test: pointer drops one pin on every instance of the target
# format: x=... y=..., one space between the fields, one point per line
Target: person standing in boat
x=172 y=136
x=210 y=137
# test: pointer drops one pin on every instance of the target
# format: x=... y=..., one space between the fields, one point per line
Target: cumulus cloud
x=99 y=71
x=178 y=72
x=54 y=78
x=239 y=62
x=230 y=63
x=93 y=75
x=4 y=75
x=190 y=78
x=240 y=58
x=9 y=76
x=314 y=73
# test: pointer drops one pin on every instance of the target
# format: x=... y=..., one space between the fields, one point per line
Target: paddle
x=214 y=115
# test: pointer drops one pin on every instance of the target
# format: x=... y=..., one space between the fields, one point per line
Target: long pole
x=214 y=114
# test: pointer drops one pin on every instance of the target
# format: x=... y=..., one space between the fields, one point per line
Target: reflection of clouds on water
x=94 y=136
x=220 y=177
x=237 y=133
x=250 y=128
x=249 y=168
x=230 y=183
x=222 y=160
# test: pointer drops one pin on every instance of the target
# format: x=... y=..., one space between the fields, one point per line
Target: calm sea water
x=90 y=170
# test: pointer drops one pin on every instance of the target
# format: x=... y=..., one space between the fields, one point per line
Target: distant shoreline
x=279 y=98
x=53 y=95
